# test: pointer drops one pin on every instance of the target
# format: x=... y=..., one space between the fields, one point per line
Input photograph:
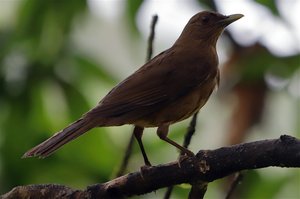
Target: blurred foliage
x=41 y=80
x=254 y=62
x=45 y=82
x=270 y=4
x=132 y=8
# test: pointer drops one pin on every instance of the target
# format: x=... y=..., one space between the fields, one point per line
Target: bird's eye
x=205 y=19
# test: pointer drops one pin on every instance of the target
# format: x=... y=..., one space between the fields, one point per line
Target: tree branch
x=206 y=166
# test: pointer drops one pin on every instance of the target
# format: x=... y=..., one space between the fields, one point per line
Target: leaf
x=270 y=4
x=256 y=185
x=76 y=101
x=91 y=67
x=132 y=7
x=45 y=25
x=208 y=4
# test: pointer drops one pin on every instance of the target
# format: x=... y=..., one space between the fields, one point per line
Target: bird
x=169 y=88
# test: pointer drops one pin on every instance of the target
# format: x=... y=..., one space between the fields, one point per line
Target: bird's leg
x=138 y=133
x=162 y=132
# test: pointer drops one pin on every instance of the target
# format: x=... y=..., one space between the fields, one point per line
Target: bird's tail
x=60 y=138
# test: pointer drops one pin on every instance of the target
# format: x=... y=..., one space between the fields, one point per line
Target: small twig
x=190 y=132
x=126 y=157
x=149 y=55
x=186 y=142
x=237 y=179
x=168 y=192
x=151 y=37
x=198 y=190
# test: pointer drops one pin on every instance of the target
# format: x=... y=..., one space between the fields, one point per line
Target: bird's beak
x=229 y=19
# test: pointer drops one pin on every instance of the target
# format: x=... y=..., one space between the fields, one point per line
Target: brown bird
x=169 y=88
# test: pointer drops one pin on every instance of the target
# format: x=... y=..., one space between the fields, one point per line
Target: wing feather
x=149 y=89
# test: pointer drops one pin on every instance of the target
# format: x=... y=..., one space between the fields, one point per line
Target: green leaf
x=132 y=7
x=91 y=67
x=208 y=4
x=44 y=26
x=76 y=101
x=256 y=185
x=270 y=4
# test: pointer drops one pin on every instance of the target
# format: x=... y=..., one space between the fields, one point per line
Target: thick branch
x=207 y=166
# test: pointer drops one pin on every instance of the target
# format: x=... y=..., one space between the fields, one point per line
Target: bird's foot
x=144 y=169
x=184 y=157
x=188 y=153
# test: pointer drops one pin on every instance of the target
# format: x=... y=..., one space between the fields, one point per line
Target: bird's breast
x=184 y=107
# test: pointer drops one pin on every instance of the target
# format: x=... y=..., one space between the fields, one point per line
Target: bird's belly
x=180 y=109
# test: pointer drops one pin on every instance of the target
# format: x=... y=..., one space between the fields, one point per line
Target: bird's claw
x=184 y=157
x=144 y=169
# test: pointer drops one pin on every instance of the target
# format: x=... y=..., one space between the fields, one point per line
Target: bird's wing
x=156 y=84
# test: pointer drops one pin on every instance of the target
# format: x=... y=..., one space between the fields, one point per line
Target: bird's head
x=207 y=26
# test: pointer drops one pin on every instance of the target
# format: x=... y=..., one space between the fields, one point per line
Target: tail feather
x=60 y=138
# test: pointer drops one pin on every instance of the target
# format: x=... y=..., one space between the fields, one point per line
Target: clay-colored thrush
x=169 y=88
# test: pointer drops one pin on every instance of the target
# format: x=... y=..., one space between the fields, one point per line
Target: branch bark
x=206 y=166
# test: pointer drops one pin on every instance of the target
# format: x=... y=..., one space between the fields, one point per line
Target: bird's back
x=169 y=88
